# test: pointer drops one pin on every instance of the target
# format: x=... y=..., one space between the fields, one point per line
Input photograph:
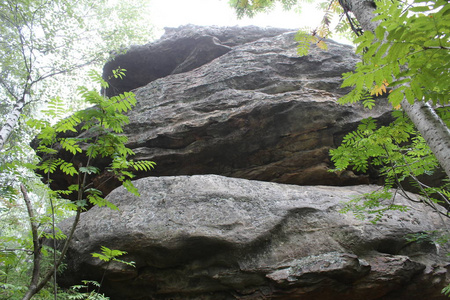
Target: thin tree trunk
x=37 y=255
x=37 y=283
x=432 y=128
x=36 y=286
x=11 y=121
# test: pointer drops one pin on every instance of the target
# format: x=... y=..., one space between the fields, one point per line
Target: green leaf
x=99 y=201
x=420 y=9
x=304 y=40
x=409 y=96
x=90 y=170
x=143 y=165
x=110 y=254
x=131 y=188
x=93 y=191
x=379 y=32
x=70 y=145
x=68 y=168
x=50 y=165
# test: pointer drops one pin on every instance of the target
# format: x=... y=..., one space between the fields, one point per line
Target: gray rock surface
x=179 y=50
x=237 y=102
x=214 y=237
x=257 y=112
x=240 y=102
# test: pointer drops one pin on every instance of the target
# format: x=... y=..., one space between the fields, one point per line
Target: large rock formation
x=212 y=237
x=238 y=102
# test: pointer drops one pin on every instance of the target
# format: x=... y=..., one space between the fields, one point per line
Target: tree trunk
x=37 y=254
x=432 y=128
x=11 y=121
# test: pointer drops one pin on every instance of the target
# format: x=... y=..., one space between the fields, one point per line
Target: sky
x=173 y=13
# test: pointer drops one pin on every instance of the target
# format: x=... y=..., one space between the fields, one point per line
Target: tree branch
x=50 y=272
x=37 y=255
x=433 y=129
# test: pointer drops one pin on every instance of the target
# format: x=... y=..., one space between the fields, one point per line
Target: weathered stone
x=179 y=50
x=240 y=102
x=213 y=237
x=245 y=105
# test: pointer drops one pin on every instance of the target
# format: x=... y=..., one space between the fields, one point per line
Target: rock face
x=179 y=50
x=238 y=102
x=213 y=237
x=257 y=112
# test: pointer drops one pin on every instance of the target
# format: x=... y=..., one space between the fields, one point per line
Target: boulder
x=237 y=102
x=213 y=237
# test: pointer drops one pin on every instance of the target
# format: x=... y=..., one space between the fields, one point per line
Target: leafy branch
x=103 y=123
x=397 y=153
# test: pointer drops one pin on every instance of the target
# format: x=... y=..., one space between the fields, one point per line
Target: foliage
x=374 y=205
x=44 y=47
x=409 y=52
x=108 y=255
x=15 y=240
x=397 y=153
x=101 y=126
x=429 y=236
x=306 y=37
x=87 y=294
x=446 y=290
x=44 y=38
x=83 y=291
